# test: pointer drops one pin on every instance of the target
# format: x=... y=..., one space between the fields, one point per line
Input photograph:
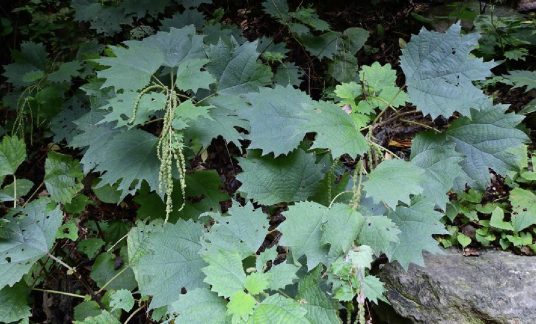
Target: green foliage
x=294 y=177
x=393 y=181
x=254 y=202
x=63 y=177
x=27 y=239
x=439 y=72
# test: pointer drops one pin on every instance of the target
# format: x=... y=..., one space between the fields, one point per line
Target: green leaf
x=441 y=165
x=256 y=283
x=66 y=71
x=187 y=17
x=224 y=272
x=122 y=299
x=522 y=78
x=8 y=193
x=236 y=67
x=222 y=122
x=104 y=318
x=324 y=45
x=296 y=114
x=28 y=239
x=497 y=220
x=78 y=204
x=341 y=229
x=269 y=181
x=139 y=149
x=240 y=307
x=379 y=232
x=393 y=181
x=199 y=306
x=463 y=240
x=104 y=269
x=243 y=231
x=421 y=221
x=121 y=107
x=488 y=140
x=354 y=38
x=90 y=246
x=335 y=130
x=282 y=275
x=171 y=262
x=63 y=177
x=190 y=76
x=284 y=107
x=32 y=58
x=278 y=309
x=288 y=73
x=86 y=309
x=12 y=154
x=374 y=289
x=131 y=69
x=377 y=76
x=176 y=46
x=440 y=73
x=68 y=230
x=301 y=232
x=344 y=67
x=14 y=303
x=523 y=208
x=361 y=257
x=318 y=305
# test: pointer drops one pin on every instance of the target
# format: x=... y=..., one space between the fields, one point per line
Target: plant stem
x=73 y=270
x=33 y=194
x=60 y=293
x=133 y=314
x=14 y=191
x=420 y=124
x=113 y=278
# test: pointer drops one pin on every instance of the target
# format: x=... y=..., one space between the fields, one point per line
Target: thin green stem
x=337 y=196
x=71 y=269
x=133 y=314
x=420 y=124
x=113 y=278
x=60 y=293
x=14 y=191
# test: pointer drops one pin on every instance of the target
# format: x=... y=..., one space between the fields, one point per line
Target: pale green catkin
x=169 y=147
x=330 y=177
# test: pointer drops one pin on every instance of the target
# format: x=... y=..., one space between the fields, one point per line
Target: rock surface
x=495 y=287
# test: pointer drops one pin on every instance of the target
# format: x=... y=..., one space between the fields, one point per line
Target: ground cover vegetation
x=198 y=162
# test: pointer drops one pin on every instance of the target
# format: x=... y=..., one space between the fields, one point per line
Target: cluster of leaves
x=505 y=221
x=196 y=264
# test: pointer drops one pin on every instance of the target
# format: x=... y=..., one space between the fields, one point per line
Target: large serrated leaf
x=319 y=306
x=237 y=68
x=440 y=73
x=302 y=231
x=488 y=139
x=129 y=158
x=378 y=232
x=177 y=45
x=28 y=238
x=243 y=231
x=224 y=272
x=103 y=318
x=12 y=154
x=31 y=59
x=131 y=69
x=199 y=306
x=341 y=229
x=14 y=303
x=421 y=221
x=269 y=181
x=278 y=309
x=393 y=181
x=170 y=261
x=63 y=177
x=441 y=165
x=296 y=114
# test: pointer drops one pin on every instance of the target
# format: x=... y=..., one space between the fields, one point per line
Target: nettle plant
x=158 y=101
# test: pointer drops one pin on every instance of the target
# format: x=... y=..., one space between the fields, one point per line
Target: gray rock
x=495 y=287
